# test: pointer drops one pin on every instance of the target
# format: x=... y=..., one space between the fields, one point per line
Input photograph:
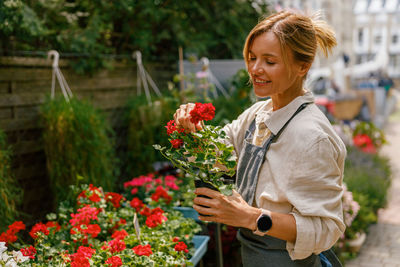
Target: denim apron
x=266 y=250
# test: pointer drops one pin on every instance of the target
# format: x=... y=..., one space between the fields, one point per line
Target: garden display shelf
x=200 y=244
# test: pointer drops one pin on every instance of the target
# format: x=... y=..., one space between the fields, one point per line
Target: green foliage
x=10 y=193
x=365 y=216
x=369 y=175
x=241 y=98
x=78 y=146
x=145 y=128
x=216 y=29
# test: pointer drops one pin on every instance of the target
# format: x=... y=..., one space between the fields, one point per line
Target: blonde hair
x=299 y=33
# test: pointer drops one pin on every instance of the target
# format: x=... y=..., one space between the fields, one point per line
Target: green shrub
x=242 y=97
x=10 y=193
x=145 y=128
x=369 y=175
x=78 y=146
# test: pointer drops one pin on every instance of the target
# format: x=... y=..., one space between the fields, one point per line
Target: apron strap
x=274 y=137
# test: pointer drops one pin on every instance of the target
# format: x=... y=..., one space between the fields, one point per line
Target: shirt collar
x=276 y=119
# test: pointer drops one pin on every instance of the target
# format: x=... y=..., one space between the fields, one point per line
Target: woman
x=290 y=169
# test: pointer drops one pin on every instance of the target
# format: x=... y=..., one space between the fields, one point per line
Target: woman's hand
x=182 y=118
x=231 y=210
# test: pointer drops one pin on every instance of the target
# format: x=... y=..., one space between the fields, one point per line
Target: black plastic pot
x=198 y=183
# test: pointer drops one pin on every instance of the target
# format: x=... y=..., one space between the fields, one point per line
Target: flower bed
x=103 y=229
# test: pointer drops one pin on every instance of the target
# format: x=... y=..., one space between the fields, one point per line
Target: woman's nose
x=256 y=68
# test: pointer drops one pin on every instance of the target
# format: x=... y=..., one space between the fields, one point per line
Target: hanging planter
x=77 y=141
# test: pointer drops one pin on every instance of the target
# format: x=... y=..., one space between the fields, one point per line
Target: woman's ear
x=304 y=68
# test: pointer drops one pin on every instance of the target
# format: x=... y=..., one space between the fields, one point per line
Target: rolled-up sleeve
x=316 y=193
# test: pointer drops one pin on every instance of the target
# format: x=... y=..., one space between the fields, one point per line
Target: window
x=395 y=39
x=360 y=36
x=378 y=39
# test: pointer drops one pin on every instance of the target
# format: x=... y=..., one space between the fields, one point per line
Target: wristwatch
x=264 y=223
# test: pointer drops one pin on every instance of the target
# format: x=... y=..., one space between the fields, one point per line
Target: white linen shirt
x=302 y=173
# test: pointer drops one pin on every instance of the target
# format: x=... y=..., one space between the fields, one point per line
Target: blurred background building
x=363 y=28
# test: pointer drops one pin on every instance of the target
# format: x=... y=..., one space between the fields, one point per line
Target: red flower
x=202 y=112
x=39 y=227
x=364 y=142
x=134 y=190
x=142 y=250
x=53 y=224
x=175 y=239
x=145 y=211
x=115 y=261
x=117 y=245
x=181 y=246
x=17 y=226
x=86 y=251
x=8 y=237
x=136 y=203
x=82 y=256
x=93 y=230
x=176 y=143
x=114 y=198
x=161 y=193
x=29 y=252
x=171 y=127
x=120 y=234
x=84 y=215
x=155 y=219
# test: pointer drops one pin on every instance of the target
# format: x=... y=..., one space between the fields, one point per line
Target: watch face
x=264 y=223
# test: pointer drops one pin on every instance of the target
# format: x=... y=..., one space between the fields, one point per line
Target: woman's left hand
x=230 y=210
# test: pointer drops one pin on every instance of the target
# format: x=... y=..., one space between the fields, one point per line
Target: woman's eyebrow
x=265 y=54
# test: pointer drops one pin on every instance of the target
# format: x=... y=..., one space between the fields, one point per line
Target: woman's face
x=269 y=73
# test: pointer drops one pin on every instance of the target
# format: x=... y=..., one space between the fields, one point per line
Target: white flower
x=19 y=257
x=11 y=263
x=2 y=247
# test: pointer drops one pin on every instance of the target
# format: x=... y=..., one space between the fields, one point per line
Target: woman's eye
x=252 y=58
x=270 y=63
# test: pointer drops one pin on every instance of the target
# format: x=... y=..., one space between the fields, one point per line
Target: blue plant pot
x=200 y=244
x=188 y=212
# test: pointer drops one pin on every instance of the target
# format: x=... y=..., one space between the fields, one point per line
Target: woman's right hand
x=182 y=118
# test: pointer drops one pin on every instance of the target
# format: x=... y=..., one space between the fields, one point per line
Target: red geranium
x=116 y=245
x=17 y=226
x=181 y=246
x=120 y=234
x=29 y=252
x=114 y=198
x=39 y=227
x=171 y=127
x=364 y=142
x=136 y=203
x=84 y=215
x=115 y=261
x=143 y=250
x=53 y=224
x=202 y=112
x=176 y=143
x=161 y=193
